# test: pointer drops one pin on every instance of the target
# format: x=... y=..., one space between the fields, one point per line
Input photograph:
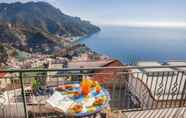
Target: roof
x=153 y=63
x=2 y=74
x=89 y=64
x=178 y=63
x=106 y=75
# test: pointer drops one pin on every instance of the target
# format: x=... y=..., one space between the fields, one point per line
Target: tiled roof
x=88 y=64
x=106 y=75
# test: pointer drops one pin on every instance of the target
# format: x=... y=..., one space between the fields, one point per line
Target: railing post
x=23 y=94
x=183 y=94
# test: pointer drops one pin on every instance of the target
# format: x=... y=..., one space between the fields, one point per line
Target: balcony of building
x=142 y=91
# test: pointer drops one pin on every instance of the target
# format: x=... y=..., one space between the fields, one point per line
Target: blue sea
x=139 y=43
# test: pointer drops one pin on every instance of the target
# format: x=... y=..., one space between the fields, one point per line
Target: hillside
x=39 y=27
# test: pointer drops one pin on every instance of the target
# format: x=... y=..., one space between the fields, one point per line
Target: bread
x=77 y=108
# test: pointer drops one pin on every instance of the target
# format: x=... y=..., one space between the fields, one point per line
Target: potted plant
x=35 y=86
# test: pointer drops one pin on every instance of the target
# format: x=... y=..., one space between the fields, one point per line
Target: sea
x=132 y=44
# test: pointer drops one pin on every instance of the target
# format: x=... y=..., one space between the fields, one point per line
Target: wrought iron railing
x=130 y=88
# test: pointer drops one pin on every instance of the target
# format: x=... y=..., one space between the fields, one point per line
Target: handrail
x=118 y=84
x=94 y=68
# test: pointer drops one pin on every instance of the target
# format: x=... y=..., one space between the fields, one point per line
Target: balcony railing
x=130 y=88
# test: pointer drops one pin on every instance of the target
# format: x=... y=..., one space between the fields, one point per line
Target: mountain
x=39 y=27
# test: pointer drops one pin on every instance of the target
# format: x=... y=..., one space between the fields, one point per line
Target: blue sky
x=125 y=12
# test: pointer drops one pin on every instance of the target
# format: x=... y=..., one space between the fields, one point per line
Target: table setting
x=79 y=99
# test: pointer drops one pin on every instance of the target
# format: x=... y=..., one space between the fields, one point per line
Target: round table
x=53 y=101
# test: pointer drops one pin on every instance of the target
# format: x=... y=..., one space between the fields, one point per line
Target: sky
x=124 y=12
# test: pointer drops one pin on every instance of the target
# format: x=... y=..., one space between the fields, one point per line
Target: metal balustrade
x=130 y=88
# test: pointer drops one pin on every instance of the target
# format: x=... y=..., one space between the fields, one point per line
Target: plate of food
x=67 y=87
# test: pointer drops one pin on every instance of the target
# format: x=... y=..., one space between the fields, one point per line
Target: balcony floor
x=161 y=113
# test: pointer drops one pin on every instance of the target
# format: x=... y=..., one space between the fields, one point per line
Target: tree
x=3 y=55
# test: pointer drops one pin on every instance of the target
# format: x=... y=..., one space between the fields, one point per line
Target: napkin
x=60 y=101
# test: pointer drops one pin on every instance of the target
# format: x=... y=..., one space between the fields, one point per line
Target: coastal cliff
x=39 y=27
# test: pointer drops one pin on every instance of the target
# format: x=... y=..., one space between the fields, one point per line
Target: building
x=105 y=75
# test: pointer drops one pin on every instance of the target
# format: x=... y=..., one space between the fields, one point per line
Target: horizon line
x=147 y=24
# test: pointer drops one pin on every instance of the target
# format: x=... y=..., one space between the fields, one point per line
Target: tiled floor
x=162 y=113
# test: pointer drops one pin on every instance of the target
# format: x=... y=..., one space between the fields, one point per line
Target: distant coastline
x=77 y=39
